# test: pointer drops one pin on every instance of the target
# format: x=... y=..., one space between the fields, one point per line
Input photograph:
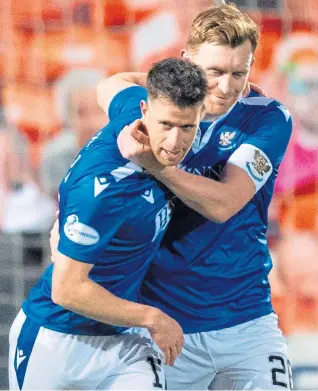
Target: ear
x=144 y=108
x=203 y=111
x=184 y=54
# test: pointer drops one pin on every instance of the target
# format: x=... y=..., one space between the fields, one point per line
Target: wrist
x=142 y=79
x=151 y=318
x=164 y=173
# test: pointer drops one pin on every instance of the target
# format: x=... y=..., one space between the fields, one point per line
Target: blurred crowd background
x=53 y=53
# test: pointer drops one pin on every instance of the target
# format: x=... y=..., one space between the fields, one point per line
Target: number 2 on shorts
x=281 y=370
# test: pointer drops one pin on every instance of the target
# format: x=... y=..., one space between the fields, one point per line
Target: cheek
x=156 y=137
x=188 y=138
x=212 y=82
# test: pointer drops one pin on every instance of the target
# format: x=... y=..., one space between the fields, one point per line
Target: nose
x=174 y=139
x=225 y=84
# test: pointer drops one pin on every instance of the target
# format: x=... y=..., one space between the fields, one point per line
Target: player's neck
x=210 y=117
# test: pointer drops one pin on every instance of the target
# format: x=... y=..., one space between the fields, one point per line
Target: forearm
x=139 y=78
x=210 y=198
x=93 y=301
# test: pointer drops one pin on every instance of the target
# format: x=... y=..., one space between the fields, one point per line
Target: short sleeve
x=261 y=153
x=90 y=215
x=126 y=101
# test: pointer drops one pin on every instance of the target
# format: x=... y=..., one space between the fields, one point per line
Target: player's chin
x=169 y=160
x=168 y=163
x=219 y=107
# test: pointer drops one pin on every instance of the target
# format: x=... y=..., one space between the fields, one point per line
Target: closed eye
x=214 y=72
x=239 y=74
x=166 y=124
x=187 y=127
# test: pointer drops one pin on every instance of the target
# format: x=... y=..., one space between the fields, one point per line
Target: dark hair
x=180 y=81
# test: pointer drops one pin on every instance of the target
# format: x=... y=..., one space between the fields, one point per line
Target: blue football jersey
x=112 y=215
x=210 y=276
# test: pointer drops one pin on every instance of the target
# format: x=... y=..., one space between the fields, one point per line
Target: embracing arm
x=109 y=87
x=246 y=171
x=217 y=201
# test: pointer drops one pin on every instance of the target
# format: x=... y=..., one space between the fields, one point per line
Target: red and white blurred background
x=52 y=55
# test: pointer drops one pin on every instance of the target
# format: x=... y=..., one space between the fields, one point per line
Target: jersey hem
x=266 y=310
x=73 y=331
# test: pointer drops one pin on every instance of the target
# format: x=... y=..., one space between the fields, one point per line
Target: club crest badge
x=226 y=140
x=259 y=166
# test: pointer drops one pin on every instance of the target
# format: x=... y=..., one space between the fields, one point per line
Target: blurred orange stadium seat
x=31 y=110
x=31 y=15
x=13 y=58
x=123 y=12
x=271 y=28
x=48 y=55
x=300 y=211
x=294 y=282
x=36 y=15
x=296 y=314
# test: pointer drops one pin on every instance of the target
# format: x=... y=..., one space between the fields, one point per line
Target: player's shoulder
x=100 y=161
x=101 y=158
x=107 y=182
x=102 y=148
x=126 y=101
x=258 y=104
x=265 y=114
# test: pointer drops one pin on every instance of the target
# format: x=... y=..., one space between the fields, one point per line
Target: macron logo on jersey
x=148 y=196
x=80 y=233
x=20 y=357
x=100 y=184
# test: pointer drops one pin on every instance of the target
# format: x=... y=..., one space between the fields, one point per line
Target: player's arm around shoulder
x=109 y=87
x=246 y=171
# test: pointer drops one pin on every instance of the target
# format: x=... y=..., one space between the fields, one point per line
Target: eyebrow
x=162 y=122
x=212 y=68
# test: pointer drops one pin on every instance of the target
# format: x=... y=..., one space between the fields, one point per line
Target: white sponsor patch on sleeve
x=80 y=233
x=254 y=162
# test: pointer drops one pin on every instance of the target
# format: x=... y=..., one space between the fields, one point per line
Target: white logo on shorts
x=20 y=357
x=80 y=233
